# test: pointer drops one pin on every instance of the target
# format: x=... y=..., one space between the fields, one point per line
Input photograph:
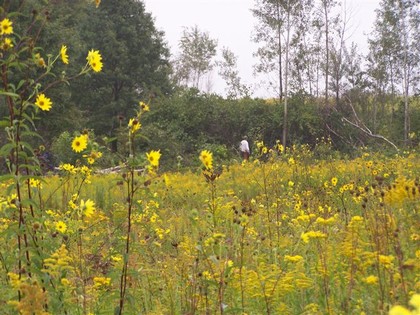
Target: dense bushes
x=189 y=121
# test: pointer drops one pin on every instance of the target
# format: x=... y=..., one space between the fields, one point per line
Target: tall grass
x=288 y=236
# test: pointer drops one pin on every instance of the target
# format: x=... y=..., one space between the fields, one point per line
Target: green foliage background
x=182 y=120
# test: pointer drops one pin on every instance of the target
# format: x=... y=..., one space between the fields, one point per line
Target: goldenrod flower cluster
x=58 y=265
x=402 y=189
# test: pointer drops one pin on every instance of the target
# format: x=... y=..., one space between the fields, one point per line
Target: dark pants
x=245 y=155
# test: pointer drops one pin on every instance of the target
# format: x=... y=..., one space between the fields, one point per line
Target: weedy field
x=290 y=235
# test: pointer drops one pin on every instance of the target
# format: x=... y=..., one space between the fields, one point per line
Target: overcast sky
x=231 y=23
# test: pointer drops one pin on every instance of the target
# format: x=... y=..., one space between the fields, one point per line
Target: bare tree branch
x=362 y=127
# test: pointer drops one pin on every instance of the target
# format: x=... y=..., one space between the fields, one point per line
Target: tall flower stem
x=123 y=282
x=130 y=198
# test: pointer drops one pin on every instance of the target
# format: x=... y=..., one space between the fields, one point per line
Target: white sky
x=231 y=23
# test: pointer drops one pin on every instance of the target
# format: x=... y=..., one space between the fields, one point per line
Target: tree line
x=321 y=85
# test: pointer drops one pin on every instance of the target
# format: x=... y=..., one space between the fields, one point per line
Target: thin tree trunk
x=406 y=80
x=279 y=53
x=285 y=120
x=327 y=50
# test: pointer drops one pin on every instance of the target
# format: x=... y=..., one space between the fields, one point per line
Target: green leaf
x=20 y=84
x=32 y=134
x=29 y=202
x=9 y=94
x=6 y=149
x=7 y=177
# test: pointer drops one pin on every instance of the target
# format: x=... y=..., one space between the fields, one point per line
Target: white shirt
x=244 y=147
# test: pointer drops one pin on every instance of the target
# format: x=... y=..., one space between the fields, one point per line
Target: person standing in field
x=244 y=148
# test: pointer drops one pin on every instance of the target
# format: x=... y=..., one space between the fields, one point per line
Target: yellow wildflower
x=14 y=279
x=94 y=59
x=134 y=125
x=65 y=282
x=206 y=158
x=6 y=27
x=279 y=146
x=39 y=61
x=61 y=227
x=144 y=107
x=206 y=275
x=79 y=143
x=399 y=310
x=323 y=221
x=116 y=258
x=63 y=53
x=6 y=44
x=99 y=282
x=386 y=261
x=415 y=301
x=371 y=279
x=295 y=258
x=153 y=157
x=68 y=168
x=43 y=102
x=312 y=234
x=87 y=207
x=36 y=183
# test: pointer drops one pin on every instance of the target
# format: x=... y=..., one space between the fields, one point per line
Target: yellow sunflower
x=206 y=158
x=144 y=107
x=61 y=227
x=43 y=102
x=63 y=53
x=134 y=125
x=94 y=59
x=88 y=207
x=39 y=61
x=79 y=143
x=153 y=157
x=6 y=27
x=6 y=44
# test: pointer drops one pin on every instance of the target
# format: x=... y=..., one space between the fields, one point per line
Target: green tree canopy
x=135 y=59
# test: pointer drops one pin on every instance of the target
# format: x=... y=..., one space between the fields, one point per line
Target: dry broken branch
x=362 y=127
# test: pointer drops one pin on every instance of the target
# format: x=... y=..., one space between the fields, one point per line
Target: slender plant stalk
x=123 y=282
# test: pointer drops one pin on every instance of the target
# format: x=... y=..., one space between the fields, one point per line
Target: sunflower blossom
x=79 y=143
x=88 y=207
x=206 y=158
x=61 y=227
x=63 y=53
x=153 y=157
x=6 y=27
x=43 y=102
x=94 y=59
x=399 y=310
x=6 y=44
x=39 y=61
x=134 y=125
x=144 y=107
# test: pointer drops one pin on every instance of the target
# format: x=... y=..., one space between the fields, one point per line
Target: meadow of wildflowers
x=284 y=233
x=291 y=235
